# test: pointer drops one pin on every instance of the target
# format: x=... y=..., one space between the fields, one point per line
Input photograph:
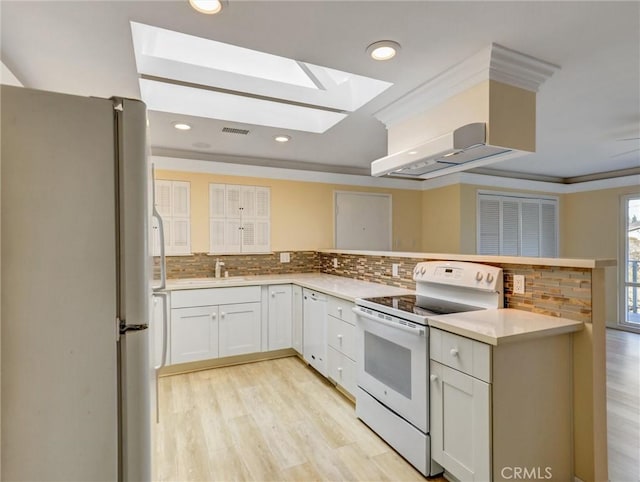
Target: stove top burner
x=421 y=305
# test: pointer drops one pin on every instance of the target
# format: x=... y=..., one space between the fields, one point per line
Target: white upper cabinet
x=173 y=202
x=239 y=219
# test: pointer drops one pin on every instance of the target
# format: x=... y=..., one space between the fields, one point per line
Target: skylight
x=166 y=97
x=196 y=63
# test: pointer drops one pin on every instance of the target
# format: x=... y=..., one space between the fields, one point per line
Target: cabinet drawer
x=342 y=370
x=215 y=296
x=464 y=354
x=342 y=336
x=341 y=309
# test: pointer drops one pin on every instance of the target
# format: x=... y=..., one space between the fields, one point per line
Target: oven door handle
x=413 y=330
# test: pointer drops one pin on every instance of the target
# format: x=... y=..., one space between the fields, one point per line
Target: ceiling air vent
x=231 y=130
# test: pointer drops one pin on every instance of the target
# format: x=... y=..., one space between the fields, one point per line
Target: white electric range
x=393 y=351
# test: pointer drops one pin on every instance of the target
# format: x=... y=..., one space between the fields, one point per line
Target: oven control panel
x=459 y=273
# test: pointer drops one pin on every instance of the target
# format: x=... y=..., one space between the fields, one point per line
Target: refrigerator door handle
x=163 y=360
x=156 y=214
x=163 y=257
x=165 y=327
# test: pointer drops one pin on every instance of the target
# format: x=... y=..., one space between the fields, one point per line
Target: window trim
x=249 y=219
x=520 y=196
x=622 y=255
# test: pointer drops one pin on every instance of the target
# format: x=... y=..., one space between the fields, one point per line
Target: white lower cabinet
x=280 y=317
x=460 y=416
x=239 y=329
x=342 y=370
x=214 y=322
x=341 y=338
x=296 y=318
x=194 y=334
x=499 y=411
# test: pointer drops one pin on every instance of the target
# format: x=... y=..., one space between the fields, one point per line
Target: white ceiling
x=584 y=109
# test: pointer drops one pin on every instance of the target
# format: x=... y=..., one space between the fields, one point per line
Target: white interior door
x=363 y=221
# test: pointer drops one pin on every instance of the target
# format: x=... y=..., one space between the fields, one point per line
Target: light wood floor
x=266 y=421
x=623 y=405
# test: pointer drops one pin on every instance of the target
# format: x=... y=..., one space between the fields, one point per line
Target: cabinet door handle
x=433 y=378
x=339 y=309
x=340 y=338
x=453 y=352
x=273 y=294
x=222 y=314
x=213 y=316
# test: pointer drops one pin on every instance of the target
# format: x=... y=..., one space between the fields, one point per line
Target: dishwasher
x=315 y=330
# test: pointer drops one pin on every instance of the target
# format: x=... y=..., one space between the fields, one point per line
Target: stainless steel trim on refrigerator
x=134 y=460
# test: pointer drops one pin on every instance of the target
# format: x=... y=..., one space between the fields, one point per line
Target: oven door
x=393 y=365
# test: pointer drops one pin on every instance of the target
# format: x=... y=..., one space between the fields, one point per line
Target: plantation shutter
x=516 y=225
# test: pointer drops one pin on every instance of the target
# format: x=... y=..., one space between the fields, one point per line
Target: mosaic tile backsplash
x=549 y=290
x=554 y=291
x=202 y=265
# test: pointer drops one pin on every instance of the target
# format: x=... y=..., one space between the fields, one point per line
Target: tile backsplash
x=554 y=291
x=201 y=265
x=549 y=290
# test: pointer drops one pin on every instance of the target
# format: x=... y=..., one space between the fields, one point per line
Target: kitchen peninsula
x=568 y=288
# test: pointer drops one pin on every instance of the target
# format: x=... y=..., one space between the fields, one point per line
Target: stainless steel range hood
x=462 y=149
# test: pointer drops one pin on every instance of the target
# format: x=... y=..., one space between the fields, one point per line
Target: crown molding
x=493 y=62
x=234 y=168
x=531 y=185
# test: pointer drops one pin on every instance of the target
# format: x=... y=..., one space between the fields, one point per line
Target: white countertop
x=499 y=326
x=482 y=258
x=338 y=286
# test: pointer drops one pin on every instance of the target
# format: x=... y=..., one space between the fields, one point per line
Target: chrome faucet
x=219 y=264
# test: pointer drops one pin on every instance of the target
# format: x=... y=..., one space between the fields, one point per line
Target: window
x=173 y=202
x=239 y=219
x=630 y=263
x=517 y=225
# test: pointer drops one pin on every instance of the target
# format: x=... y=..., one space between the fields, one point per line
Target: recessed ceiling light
x=282 y=138
x=383 y=50
x=210 y=7
x=181 y=126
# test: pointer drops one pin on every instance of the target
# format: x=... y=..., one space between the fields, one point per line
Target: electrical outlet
x=394 y=270
x=518 y=284
x=335 y=262
x=285 y=258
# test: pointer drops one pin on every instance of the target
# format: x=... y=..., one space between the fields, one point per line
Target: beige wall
x=510 y=114
x=301 y=212
x=449 y=217
x=441 y=224
x=591 y=229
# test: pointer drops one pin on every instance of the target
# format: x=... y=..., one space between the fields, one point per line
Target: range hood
x=462 y=149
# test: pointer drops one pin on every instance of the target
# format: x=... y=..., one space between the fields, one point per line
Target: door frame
x=622 y=322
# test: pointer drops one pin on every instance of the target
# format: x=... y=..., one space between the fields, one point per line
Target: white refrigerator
x=77 y=382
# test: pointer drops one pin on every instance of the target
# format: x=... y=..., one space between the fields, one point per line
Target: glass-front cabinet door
x=629 y=263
